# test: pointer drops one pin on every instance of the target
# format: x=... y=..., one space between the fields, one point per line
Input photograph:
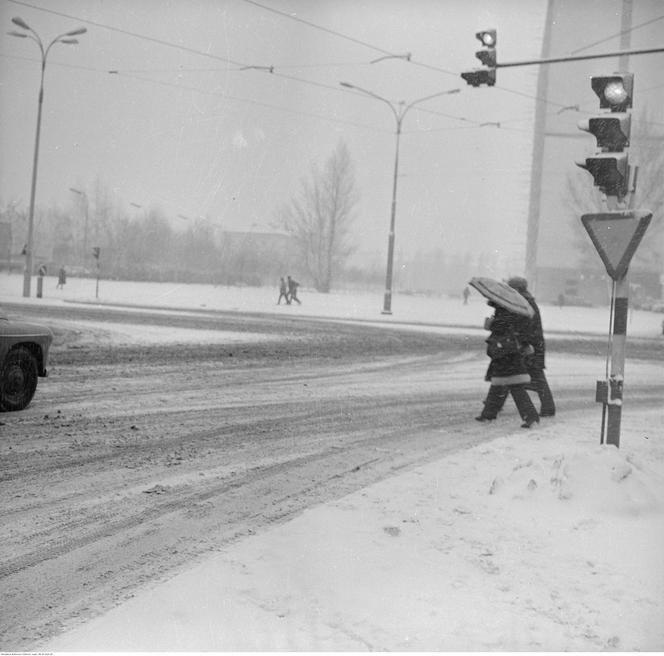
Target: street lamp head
x=77 y=31
x=19 y=34
x=348 y=85
x=68 y=41
x=21 y=23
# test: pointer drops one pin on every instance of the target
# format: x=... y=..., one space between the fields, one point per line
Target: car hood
x=23 y=329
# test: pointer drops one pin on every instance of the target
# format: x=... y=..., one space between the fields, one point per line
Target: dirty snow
x=542 y=540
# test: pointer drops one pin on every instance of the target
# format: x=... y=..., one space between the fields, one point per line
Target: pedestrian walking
x=283 y=292
x=466 y=294
x=292 y=290
x=535 y=363
x=507 y=372
x=62 y=278
x=534 y=359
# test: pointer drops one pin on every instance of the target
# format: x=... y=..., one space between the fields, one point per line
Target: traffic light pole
x=614 y=397
x=556 y=60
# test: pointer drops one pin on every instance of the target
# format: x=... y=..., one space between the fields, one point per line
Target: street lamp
x=63 y=38
x=84 y=196
x=399 y=115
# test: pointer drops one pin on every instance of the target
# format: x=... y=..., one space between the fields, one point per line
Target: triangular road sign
x=616 y=236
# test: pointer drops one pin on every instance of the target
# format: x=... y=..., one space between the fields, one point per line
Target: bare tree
x=320 y=216
x=582 y=197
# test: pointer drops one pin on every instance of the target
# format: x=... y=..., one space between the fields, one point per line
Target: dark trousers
x=495 y=400
x=538 y=383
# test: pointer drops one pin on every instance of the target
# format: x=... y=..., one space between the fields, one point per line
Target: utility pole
x=625 y=34
x=537 y=166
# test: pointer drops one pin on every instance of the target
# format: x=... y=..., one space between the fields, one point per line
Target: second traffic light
x=610 y=167
x=487 y=56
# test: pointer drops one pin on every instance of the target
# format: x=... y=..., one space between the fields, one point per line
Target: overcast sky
x=185 y=126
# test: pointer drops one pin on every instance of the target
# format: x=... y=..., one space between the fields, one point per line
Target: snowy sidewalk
x=539 y=540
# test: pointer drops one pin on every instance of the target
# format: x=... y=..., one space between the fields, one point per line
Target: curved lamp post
x=63 y=38
x=399 y=114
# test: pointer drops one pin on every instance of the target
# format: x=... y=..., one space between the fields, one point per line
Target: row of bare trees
x=311 y=236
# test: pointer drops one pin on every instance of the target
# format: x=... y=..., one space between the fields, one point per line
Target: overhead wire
x=613 y=36
x=246 y=100
x=183 y=48
x=198 y=90
x=410 y=60
x=271 y=71
x=321 y=28
x=203 y=53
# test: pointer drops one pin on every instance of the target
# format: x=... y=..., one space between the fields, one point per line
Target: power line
x=202 y=53
x=162 y=42
x=130 y=75
x=321 y=28
x=245 y=100
x=176 y=46
x=391 y=54
x=613 y=36
x=270 y=69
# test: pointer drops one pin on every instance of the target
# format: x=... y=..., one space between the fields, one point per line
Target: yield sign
x=616 y=236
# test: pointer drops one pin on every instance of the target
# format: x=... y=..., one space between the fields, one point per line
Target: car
x=24 y=351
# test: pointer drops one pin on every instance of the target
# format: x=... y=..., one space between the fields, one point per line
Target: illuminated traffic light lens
x=615 y=93
x=488 y=39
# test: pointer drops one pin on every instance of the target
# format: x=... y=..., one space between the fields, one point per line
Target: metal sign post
x=616 y=236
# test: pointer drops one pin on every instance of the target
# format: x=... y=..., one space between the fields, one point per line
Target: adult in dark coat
x=507 y=370
x=535 y=362
x=292 y=289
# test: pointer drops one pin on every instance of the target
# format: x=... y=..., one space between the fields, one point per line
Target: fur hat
x=518 y=283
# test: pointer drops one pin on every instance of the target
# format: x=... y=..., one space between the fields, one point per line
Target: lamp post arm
x=421 y=100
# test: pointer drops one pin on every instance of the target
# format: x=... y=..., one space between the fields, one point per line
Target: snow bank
x=538 y=540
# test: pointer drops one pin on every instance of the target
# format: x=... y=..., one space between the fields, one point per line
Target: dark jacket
x=534 y=335
x=505 y=347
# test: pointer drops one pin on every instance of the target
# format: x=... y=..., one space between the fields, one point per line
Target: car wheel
x=18 y=379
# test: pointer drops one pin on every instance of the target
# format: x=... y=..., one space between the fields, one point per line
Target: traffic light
x=614 y=91
x=487 y=56
x=610 y=167
x=611 y=131
x=95 y=252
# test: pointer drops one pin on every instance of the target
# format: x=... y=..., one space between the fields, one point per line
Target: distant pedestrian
x=561 y=300
x=42 y=271
x=292 y=290
x=62 y=278
x=283 y=292
x=466 y=294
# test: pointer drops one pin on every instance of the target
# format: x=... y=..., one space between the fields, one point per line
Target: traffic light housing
x=95 y=252
x=610 y=172
x=614 y=91
x=487 y=55
x=610 y=167
x=612 y=131
x=480 y=76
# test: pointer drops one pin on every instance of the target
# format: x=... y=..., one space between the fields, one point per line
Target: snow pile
x=537 y=540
